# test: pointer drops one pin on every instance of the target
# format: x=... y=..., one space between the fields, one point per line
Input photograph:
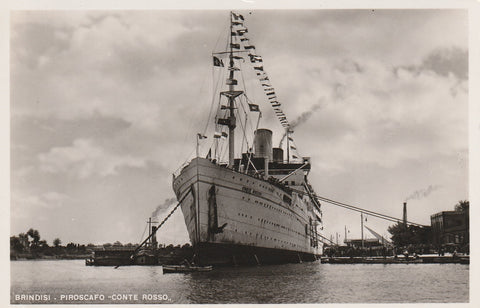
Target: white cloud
x=84 y=159
x=48 y=200
x=27 y=205
x=375 y=113
x=118 y=90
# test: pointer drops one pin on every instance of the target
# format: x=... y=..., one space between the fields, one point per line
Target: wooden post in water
x=256 y=258
x=234 y=260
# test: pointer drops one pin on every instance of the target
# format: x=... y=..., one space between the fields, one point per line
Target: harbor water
x=70 y=281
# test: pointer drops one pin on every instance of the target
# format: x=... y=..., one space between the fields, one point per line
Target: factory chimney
x=405 y=214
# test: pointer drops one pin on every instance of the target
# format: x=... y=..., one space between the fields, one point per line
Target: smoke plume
x=162 y=207
x=301 y=119
x=423 y=193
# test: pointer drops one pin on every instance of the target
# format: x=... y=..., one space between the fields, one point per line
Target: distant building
x=368 y=242
x=450 y=227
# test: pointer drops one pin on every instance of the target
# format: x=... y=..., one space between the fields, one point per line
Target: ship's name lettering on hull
x=251 y=191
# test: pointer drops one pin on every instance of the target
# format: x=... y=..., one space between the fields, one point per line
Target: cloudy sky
x=105 y=107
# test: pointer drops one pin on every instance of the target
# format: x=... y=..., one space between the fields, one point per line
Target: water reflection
x=293 y=283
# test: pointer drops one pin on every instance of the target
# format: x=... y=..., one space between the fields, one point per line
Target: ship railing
x=179 y=170
x=254 y=174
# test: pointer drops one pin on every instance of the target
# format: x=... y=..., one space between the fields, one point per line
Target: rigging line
x=215 y=87
x=160 y=225
x=244 y=139
x=218 y=106
x=188 y=156
x=222 y=76
x=213 y=96
x=143 y=234
x=320 y=235
x=243 y=78
x=296 y=147
x=251 y=163
x=245 y=88
x=354 y=208
x=246 y=97
x=215 y=146
x=206 y=127
x=223 y=150
x=258 y=119
x=259 y=114
x=243 y=128
x=211 y=105
x=379 y=215
x=211 y=146
x=222 y=143
x=185 y=140
x=221 y=33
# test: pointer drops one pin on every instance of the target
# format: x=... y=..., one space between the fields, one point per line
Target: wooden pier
x=424 y=259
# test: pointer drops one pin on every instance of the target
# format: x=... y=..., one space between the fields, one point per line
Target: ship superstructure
x=257 y=208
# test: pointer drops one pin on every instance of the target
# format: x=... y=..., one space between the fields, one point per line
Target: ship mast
x=231 y=101
x=231 y=95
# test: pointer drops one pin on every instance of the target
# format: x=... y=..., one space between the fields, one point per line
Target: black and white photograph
x=240 y=155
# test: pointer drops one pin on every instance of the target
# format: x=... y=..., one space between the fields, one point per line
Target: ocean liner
x=258 y=208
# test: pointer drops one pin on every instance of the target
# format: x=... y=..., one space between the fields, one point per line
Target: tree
x=57 y=242
x=35 y=235
x=71 y=247
x=462 y=206
x=406 y=235
x=16 y=245
x=23 y=238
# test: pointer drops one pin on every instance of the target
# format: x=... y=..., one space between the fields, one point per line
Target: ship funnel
x=154 y=237
x=263 y=143
x=277 y=155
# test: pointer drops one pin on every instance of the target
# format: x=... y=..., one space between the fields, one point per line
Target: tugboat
x=144 y=254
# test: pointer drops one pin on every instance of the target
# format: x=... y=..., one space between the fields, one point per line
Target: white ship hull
x=233 y=217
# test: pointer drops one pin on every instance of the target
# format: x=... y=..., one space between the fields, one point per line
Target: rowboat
x=185 y=268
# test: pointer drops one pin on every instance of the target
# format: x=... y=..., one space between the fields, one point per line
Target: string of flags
x=257 y=62
x=220 y=135
x=238 y=33
x=239 y=40
x=217 y=62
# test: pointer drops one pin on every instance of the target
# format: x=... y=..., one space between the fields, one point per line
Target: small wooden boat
x=185 y=268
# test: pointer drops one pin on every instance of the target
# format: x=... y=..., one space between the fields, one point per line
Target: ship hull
x=234 y=218
x=218 y=254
